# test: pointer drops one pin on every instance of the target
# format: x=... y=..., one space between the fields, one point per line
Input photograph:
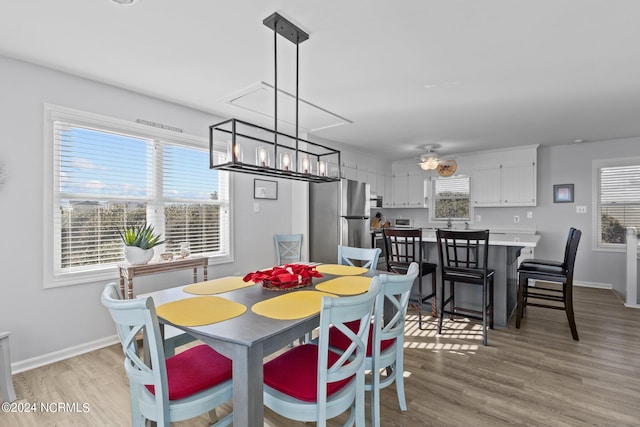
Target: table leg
x=122 y=285
x=248 y=384
x=130 y=286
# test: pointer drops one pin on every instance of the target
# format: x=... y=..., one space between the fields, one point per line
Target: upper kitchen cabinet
x=409 y=189
x=349 y=170
x=505 y=178
x=387 y=195
x=485 y=187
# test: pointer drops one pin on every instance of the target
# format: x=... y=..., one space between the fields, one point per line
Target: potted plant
x=139 y=241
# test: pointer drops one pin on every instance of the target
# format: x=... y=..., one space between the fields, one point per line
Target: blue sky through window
x=96 y=163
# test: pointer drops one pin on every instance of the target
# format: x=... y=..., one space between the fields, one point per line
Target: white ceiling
x=463 y=75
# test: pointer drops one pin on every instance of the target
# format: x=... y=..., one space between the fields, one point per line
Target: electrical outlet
x=516 y=218
x=529 y=214
x=478 y=218
x=581 y=209
x=256 y=207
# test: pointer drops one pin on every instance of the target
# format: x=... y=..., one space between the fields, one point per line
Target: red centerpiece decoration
x=288 y=276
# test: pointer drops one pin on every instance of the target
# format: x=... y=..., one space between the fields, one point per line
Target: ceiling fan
x=430 y=161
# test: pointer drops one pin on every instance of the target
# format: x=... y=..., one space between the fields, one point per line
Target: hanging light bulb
x=429 y=160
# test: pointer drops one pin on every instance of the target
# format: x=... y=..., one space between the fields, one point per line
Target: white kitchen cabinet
x=409 y=190
x=380 y=185
x=485 y=187
x=387 y=198
x=416 y=186
x=362 y=175
x=400 y=189
x=349 y=172
x=504 y=185
x=518 y=185
x=372 y=179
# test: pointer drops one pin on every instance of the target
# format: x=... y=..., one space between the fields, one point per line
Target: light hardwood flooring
x=535 y=376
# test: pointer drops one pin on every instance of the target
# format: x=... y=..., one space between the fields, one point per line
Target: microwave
x=375 y=201
x=403 y=223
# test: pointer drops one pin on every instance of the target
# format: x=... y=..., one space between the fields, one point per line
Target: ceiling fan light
x=429 y=164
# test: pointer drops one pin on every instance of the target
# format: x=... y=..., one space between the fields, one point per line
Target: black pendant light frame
x=241 y=130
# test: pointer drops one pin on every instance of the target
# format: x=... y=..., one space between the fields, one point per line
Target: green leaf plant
x=142 y=236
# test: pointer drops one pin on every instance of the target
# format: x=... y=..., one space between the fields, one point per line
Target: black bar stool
x=402 y=247
x=550 y=271
x=463 y=259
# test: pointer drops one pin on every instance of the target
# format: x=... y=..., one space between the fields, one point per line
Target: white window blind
x=451 y=199
x=105 y=179
x=618 y=202
x=104 y=184
x=195 y=207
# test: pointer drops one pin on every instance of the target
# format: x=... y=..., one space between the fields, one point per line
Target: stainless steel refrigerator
x=338 y=215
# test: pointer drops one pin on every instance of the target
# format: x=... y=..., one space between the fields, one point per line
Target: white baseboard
x=594 y=285
x=56 y=356
x=632 y=305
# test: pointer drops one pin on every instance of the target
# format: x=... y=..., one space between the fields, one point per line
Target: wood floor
x=535 y=376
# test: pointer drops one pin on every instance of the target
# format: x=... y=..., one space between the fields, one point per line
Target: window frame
x=432 y=201
x=597 y=244
x=54 y=113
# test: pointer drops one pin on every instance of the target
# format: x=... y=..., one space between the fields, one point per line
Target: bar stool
x=550 y=271
x=6 y=381
x=402 y=247
x=463 y=259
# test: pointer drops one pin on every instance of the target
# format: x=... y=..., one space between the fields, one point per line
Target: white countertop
x=497 y=239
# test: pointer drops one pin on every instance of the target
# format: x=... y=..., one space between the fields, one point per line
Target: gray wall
x=571 y=164
x=50 y=323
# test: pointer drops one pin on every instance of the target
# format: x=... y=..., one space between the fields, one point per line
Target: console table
x=129 y=271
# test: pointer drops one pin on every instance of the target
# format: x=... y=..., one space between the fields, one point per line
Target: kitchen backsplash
x=497 y=219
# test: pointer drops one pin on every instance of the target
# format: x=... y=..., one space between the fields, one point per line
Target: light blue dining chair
x=184 y=386
x=367 y=258
x=288 y=248
x=314 y=383
x=173 y=337
x=385 y=351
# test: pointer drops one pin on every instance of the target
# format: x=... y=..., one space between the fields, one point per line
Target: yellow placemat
x=198 y=311
x=217 y=286
x=341 y=270
x=346 y=285
x=290 y=306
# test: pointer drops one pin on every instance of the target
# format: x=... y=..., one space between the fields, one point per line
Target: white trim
x=65 y=353
x=596 y=165
x=54 y=112
x=594 y=285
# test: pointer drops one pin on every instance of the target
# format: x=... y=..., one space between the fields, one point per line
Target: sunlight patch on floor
x=458 y=329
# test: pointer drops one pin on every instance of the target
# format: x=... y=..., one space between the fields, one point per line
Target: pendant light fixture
x=258 y=150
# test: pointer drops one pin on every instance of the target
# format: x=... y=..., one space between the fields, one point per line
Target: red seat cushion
x=339 y=340
x=295 y=373
x=195 y=370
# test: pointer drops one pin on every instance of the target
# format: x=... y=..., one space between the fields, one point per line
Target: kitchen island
x=504 y=250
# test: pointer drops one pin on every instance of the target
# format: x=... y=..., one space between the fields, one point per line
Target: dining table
x=247 y=338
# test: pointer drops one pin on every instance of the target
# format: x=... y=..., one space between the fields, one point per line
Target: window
x=108 y=174
x=617 y=184
x=450 y=199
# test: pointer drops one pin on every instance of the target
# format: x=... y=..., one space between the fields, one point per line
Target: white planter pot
x=136 y=256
